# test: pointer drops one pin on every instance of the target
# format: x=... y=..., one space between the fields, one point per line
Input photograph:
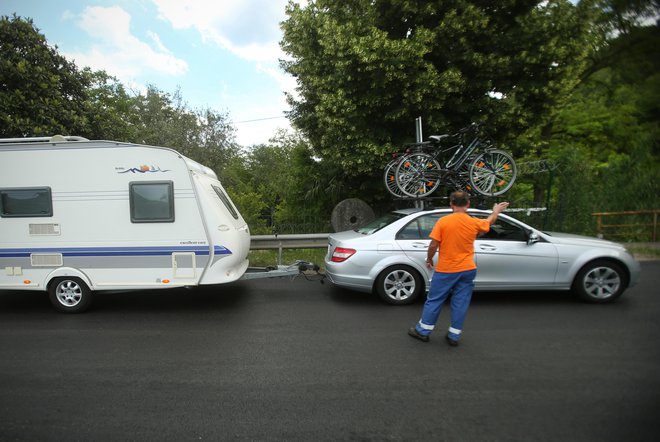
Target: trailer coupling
x=293 y=270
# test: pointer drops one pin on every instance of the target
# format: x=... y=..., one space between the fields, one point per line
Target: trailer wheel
x=69 y=295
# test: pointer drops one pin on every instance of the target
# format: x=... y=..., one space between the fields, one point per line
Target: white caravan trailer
x=78 y=216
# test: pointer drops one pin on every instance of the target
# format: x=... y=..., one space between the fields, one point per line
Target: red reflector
x=341 y=254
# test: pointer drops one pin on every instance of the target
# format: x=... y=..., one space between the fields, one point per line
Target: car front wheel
x=399 y=285
x=600 y=281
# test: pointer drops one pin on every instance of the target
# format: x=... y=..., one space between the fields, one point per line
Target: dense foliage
x=577 y=86
x=366 y=69
x=40 y=91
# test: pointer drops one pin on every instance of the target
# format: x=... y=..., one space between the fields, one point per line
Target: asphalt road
x=297 y=360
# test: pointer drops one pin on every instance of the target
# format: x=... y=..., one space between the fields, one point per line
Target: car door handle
x=487 y=247
x=420 y=245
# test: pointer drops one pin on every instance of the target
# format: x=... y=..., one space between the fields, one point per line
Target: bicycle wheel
x=418 y=175
x=390 y=178
x=492 y=173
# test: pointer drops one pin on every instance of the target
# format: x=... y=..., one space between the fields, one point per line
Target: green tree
x=605 y=138
x=161 y=119
x=366 y=69
x=284 y=185
x=41 y=93
x=108 y=110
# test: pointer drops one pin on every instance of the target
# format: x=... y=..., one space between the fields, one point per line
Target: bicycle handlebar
x=471 y=127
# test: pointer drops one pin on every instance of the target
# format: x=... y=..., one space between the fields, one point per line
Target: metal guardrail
x=281 y=242
x=621 y=227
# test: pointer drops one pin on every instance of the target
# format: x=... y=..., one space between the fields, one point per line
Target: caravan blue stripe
x=113 y=251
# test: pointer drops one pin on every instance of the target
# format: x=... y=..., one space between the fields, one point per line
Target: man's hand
x=500 y=207
x=497 y=209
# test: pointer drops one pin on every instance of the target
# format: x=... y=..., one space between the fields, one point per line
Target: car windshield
x=379 y=223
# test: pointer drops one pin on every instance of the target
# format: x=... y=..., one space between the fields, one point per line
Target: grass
x=264 y=258
x=643 y=251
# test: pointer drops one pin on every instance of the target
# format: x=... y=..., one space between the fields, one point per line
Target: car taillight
x=341 y=254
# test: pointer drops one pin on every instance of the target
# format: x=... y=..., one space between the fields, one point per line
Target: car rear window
x=379 y=223
x=420 y=227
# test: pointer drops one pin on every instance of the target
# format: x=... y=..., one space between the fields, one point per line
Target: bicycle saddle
x=438 y=138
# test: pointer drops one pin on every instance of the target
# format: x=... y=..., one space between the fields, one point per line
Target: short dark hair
x=459 y=198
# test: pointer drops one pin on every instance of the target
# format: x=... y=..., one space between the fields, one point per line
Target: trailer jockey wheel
x=351 y=214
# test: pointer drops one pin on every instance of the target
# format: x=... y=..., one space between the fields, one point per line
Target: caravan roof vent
x=63 y=139
x=31 y=140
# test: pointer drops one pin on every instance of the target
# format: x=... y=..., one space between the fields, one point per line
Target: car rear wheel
x=69 y=295
x=600 y=281
x=399 y=285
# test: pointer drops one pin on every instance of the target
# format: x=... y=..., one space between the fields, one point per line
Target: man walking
x=453 y=235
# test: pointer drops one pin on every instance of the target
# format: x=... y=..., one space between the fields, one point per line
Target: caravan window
x=226 y=201
x=152 y=202
x=26 y=202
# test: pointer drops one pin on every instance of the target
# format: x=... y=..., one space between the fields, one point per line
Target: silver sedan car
x=387 y=257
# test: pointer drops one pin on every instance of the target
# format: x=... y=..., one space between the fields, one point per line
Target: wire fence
x=298 y=225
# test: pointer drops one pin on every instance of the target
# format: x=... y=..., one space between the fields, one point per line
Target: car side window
x=502 y=230
x=420 y=227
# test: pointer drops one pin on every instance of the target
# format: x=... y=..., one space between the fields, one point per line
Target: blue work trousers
x=460 y=284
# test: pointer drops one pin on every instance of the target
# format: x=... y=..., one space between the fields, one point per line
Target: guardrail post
x=279 y=251
x=655 y=226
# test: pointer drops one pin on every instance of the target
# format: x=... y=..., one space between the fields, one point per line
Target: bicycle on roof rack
x=473 y=164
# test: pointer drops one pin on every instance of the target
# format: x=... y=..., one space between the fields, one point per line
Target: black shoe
x=451 y=342
x=415 y=334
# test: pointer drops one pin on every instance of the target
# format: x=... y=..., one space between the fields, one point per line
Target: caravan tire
x=69 y=295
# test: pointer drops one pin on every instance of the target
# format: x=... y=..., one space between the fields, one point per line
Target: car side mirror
x=532 y=237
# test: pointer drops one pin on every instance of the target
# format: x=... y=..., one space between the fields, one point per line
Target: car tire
x=399 y=285
x=600 y=281
x=69 y=295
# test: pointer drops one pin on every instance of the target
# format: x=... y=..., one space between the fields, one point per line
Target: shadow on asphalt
x=526 y=297
x=520 y=298
x=238 y=295
x=221 y=297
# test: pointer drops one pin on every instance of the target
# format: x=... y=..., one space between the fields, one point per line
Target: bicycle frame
x=460 y=155
x=474 y=165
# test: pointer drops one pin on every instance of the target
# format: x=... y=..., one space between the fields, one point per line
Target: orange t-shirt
x=456 y=234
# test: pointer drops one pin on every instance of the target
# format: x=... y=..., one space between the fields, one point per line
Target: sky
x=220 y=54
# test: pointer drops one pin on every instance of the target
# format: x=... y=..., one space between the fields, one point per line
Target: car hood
x=569 y=238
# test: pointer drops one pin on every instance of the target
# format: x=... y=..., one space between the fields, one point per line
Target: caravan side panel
x=125 y=217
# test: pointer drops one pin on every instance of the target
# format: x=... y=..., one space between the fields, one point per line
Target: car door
x=414 y=239
x=505 y=258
